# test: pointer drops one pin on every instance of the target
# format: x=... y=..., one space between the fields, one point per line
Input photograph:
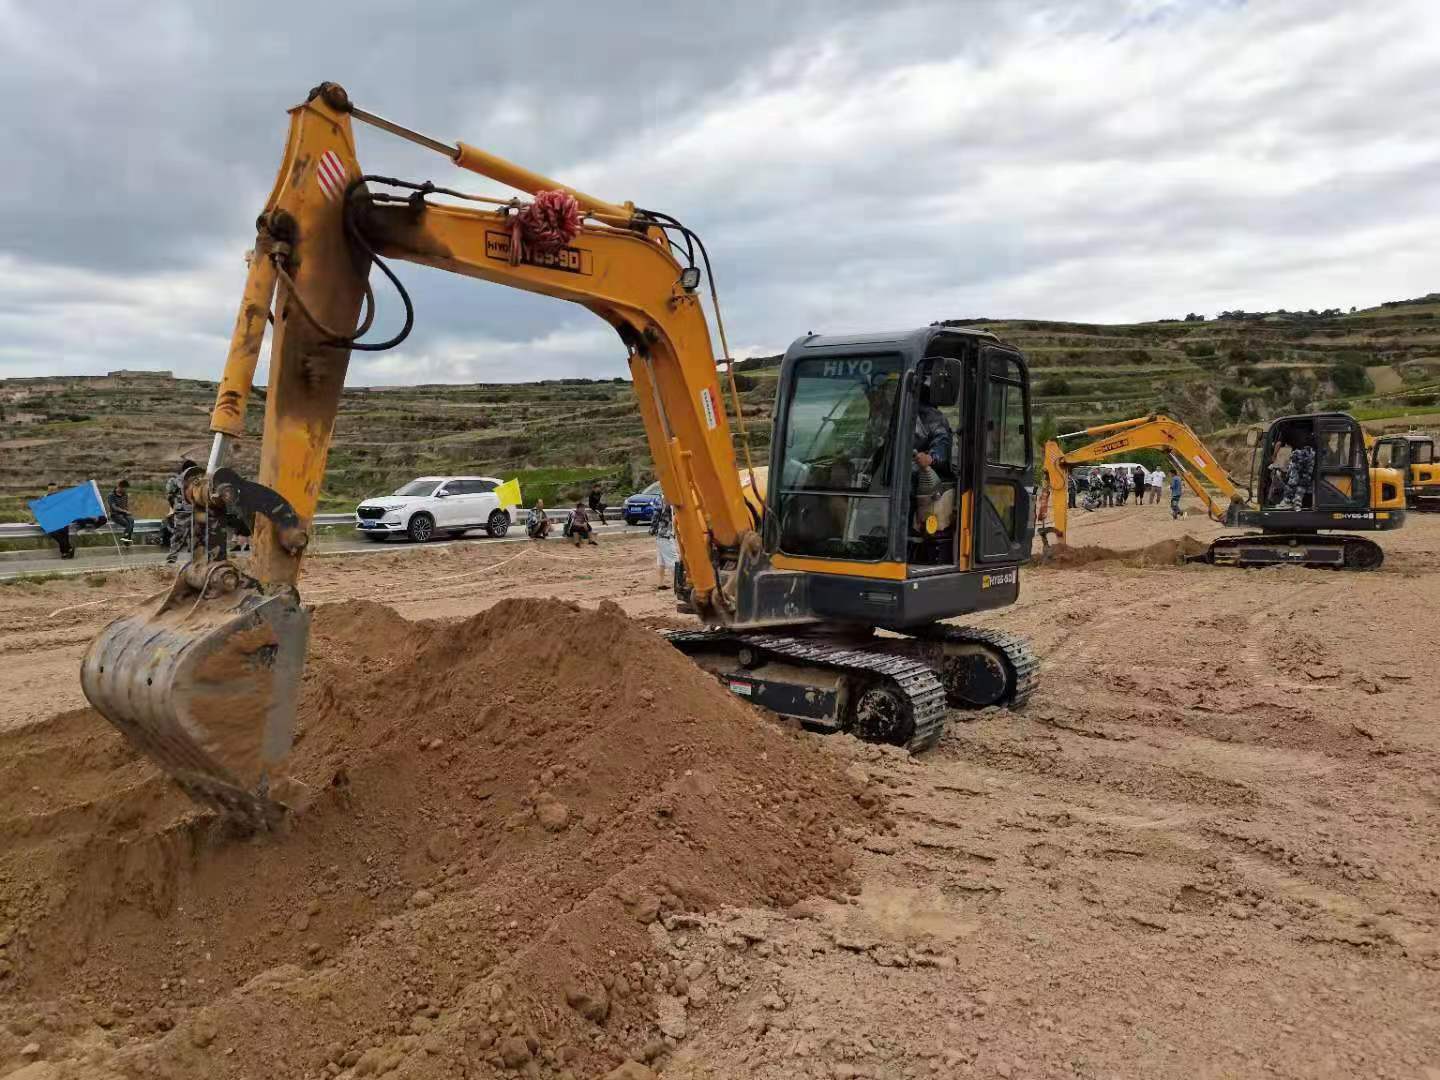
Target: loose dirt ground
x=1208 y=847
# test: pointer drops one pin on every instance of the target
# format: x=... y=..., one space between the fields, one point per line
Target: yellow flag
x=509 y=493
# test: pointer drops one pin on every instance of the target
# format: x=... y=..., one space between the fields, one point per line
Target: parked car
x=431 y=506
x=640 y=507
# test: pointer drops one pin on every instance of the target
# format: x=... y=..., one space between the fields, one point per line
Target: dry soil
x=1207 y=848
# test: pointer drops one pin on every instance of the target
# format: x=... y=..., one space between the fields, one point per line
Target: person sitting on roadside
x=581 y=531
x=537 y=524
x=120 y=511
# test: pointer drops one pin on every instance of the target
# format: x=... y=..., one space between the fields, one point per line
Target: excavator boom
x=204 y=679
x=1188 y=454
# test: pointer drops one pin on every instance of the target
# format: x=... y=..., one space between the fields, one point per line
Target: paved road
x=97 y=560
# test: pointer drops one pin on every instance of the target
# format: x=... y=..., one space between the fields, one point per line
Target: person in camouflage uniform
x=1299 y=477
x=181 y=513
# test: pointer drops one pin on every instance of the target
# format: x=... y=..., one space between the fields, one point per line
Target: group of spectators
x=580 y=529
x=174 y=531
x=1116 y=485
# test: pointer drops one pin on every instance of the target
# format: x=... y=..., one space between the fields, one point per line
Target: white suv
x=435 y=505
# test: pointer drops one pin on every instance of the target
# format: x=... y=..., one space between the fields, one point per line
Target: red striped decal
x=331 y=175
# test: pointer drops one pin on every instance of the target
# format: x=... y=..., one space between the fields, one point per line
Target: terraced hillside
x=1382 y=364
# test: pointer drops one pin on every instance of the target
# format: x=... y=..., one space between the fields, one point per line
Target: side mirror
x=941 y=387
x=441 y=493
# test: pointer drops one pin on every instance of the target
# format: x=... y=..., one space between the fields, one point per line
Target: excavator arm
x=1188 y=454
x=204 y=679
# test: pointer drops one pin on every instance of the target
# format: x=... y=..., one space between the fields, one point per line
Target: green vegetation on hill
x=559 y=436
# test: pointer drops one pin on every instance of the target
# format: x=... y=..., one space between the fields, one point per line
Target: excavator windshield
x=835 y=486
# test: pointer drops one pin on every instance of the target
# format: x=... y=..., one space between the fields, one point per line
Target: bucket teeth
x=206 y=688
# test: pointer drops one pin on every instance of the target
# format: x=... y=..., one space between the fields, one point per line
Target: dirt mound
x=506 y=812
x=1164 y=552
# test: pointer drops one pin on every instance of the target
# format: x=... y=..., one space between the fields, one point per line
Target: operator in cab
x=934 y=475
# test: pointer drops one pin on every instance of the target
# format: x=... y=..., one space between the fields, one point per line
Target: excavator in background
x=899 y=491
x=1413 y=456
x=1346 y=491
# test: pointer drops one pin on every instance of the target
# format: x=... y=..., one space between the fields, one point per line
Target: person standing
x=1175 y=489
x=1157 y=485
x=662 y=527
x=1138 y=478
x=181 y=512
x=1071 y=488
x=120 y=510
x=597 y=502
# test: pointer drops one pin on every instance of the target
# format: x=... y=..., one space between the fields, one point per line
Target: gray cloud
x=849 y=165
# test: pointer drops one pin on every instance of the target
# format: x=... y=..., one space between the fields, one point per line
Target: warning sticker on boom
x=707 y=402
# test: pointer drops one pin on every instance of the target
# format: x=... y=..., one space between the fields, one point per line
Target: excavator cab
x=1335 y=482
x=1413 y=456
x=902 y=474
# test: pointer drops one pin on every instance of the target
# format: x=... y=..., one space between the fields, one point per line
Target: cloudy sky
x=850 y=165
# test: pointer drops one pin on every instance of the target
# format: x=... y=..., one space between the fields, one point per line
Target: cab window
x=1006 y=442
x=835 y=483
x=1333 y=449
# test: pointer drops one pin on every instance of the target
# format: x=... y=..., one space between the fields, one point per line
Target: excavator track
x=1326 y=551
x=899 y=700
x=979 y=666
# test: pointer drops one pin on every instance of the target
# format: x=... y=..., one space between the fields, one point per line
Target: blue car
x=640 y=507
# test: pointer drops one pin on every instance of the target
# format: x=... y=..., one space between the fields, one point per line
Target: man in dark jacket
x=1138 y=479
x=597 y=502
x=120 y=514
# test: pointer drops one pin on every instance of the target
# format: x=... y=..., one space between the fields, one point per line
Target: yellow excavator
x=1413 y=456
x=1343 y=490
x=899 y=493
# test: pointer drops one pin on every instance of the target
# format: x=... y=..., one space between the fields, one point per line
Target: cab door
x=1004 y=522
x=1342 y=480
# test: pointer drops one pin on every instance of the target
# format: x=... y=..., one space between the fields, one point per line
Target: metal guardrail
x=17 y=530
x=11 y=530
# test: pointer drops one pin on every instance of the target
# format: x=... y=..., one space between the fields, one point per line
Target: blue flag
x=61 y=508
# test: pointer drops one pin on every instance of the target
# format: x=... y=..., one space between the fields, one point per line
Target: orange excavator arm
x=1188 y=454
x=321 y=227
x=204 y=679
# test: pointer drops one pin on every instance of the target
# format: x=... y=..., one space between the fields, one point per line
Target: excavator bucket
x=204 y=683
